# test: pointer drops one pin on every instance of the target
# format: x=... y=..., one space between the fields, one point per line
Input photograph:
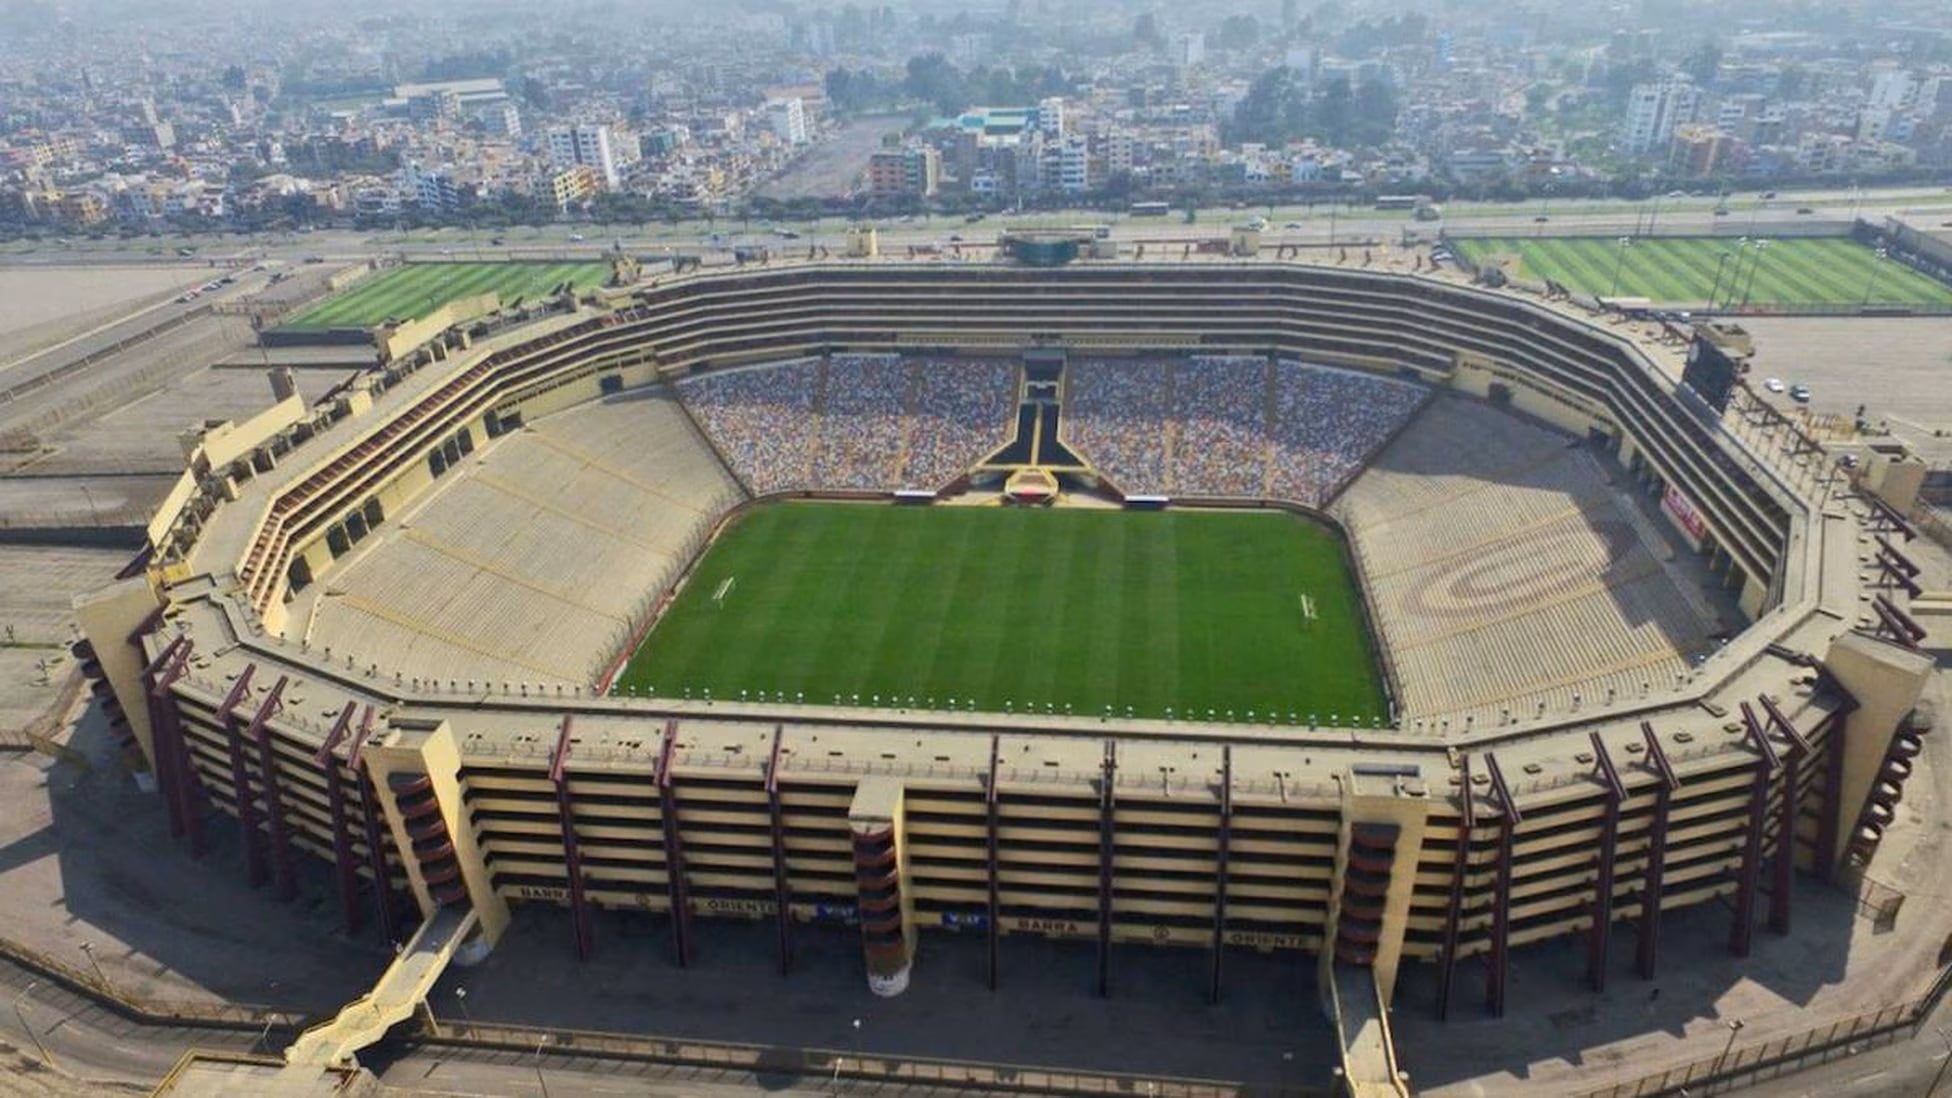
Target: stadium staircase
x=1369 y=1068
x=401 y=990
x=1270 y=420
x=1168 y=444
x=817 y=419
x=910 y=397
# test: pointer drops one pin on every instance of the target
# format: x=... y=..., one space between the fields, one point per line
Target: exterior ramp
x=1362 y=1023
x=401 y=989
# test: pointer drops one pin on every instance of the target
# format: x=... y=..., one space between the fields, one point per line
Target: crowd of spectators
x=877 y=423
x=961 y=413
x=887 y=422
x=761 y=420
x=1212 y=414
x=1116 y=415
x=860 y=426
x=1223 y=440
x=1326 y=424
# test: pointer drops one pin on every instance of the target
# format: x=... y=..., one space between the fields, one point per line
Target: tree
x=1703 y=63
x=1373 y=114
x=1238 y=32
x=1274 y=109
x=933 y=79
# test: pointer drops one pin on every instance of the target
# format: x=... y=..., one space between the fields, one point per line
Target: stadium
x=1351 y=616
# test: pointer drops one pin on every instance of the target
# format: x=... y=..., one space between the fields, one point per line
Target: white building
x=788 y=119
x=1192 y=48
x=1893 y=90
x=593 y=147
x=1074 y=164
x=1119 y=150
x=1654 y=110
x=1050 y=117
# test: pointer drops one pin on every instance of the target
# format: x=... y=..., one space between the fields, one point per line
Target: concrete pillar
x=1886 y=681
x=881 y=881
x=410 y=751
x=110 y=618
x=1375 y=806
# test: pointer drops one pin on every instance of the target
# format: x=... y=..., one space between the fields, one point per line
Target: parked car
x=1804 y=210
x=1540 y=219
x=1800 y=394
x=1774 y=385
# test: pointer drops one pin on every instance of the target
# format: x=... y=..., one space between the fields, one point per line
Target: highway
x=1317 y=225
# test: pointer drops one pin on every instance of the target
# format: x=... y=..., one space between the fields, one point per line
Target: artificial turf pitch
x=416 y=289
x=1682 y=270
x=1010 y=610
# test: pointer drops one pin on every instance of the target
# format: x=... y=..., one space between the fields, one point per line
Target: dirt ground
x=828 y=170
x=43 y=305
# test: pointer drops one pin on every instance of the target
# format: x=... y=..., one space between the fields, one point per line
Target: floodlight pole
x=1753 y=264
x=1870 y=284
x=1714 y=292
x=1619 y=262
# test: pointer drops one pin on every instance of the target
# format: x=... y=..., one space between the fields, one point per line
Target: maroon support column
x=1750 y=871
x=579 y=908
x=782 y=885
x=242 y=795
x=1494 y=986
x=369 y=814
x=345 y=868
x=1225 y=842
x=1647 y=954
x=991 y=812
x=1107 y=803
x=674 y=850
x=1787 y=811
x=171 y=777
x=284 y=872
x=1460 y=865
x=1601 y=932
x=1833 y=786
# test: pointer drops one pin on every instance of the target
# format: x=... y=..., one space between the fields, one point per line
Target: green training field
x=1831 y=270
x=417 y=289
x=1006 y=609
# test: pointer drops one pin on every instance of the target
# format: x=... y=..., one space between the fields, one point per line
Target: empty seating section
x=961 y=415
x=1221 y=403
x=857 y=422
x=1505 y=573
x=761 y=420
x=1117 y=415
x=861 y=422
x=1326 y=424
x=1233 y=425
x=540 y=554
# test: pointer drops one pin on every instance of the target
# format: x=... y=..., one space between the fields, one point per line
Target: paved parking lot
x=1900 y=367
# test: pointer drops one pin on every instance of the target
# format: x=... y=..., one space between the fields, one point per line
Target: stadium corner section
x=415 y=779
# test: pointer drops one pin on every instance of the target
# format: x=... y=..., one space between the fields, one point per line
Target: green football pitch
x=1010 y=610
x=1683 y=270
x=416 y=289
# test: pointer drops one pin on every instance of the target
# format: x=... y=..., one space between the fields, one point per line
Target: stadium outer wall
x=1783 y=753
